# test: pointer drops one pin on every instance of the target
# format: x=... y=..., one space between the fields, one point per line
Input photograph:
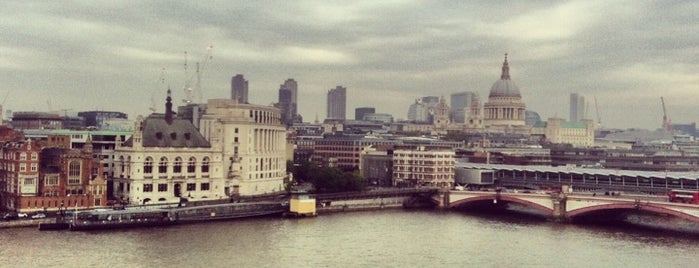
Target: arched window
x=74 y=172
x=148 y=166
x=205 y=165
x=191 y=165
x=74 y=169
x=177 y=166
x=162 y=166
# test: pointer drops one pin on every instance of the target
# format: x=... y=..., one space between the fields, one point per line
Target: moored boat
x=110 y=218
x=163 y=216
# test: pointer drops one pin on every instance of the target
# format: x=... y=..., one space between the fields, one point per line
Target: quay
x=561 y=206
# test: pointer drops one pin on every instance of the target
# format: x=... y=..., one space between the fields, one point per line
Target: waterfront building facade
x=103 y=143
x=252 y=141
x=34 y=177
x=377 y=165
x=423 y=166
x=344 y=151
x=166 y=160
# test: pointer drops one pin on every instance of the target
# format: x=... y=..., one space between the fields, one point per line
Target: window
x=162 y=187
x=204 y=186
x=23 y=156
x=205 y=165
x=177 y=167
x=148 y=165
x=148 y=187
x=162 y=166
x=22 y=167
x=191 y=186
x=51 y=180
x=34 y=167
x=191 y=165
x=35 y=156
x=28 y=181
x=122 y=165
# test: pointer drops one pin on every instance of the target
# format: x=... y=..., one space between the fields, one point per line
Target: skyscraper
x=577 y=107
x=288 y=93
x=337 y=99
x=239 y=88
x=459 y=107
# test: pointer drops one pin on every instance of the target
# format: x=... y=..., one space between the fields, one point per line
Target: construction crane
x=190 y=89
x=599 y=119
x=667 y=123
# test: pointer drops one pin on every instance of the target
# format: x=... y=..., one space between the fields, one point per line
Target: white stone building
x=252 y=141
x=167 y=159
x=239 y=150
x=504 y=107
x=423 y=165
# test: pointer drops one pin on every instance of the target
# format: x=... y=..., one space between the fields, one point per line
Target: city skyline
x=118 y=56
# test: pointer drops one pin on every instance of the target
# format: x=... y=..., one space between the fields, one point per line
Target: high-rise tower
x=459 y=108
x=577 y=107
x=337 y=99
x=239 y=88
x=288 y=93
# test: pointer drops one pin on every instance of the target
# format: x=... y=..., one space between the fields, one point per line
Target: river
x=388 y=238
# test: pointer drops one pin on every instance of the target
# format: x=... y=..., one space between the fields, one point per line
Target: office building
x=337 y=99
x=287 y=102
x=577 y=107
x=239 y=88
x=360 y=112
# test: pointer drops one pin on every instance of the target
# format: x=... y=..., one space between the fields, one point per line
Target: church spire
x=505 y=70
x=168 y=107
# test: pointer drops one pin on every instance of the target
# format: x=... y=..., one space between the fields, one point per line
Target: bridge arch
x=507 y=198
x=632 y=206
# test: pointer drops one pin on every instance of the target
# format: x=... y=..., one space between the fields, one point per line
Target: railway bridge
x=566 y=207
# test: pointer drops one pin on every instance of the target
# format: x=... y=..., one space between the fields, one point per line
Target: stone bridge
x=566 y=207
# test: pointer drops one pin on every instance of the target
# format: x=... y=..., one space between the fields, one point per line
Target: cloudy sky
x=120 y=55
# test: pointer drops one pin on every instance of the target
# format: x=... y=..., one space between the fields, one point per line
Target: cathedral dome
x=504 y=87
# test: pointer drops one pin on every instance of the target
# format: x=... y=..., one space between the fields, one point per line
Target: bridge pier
x=559 y=207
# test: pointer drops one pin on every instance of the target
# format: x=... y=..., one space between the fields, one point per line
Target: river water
x=388 y=238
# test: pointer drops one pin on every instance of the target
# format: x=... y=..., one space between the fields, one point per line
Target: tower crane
x=667 y=123
x=190 y=89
